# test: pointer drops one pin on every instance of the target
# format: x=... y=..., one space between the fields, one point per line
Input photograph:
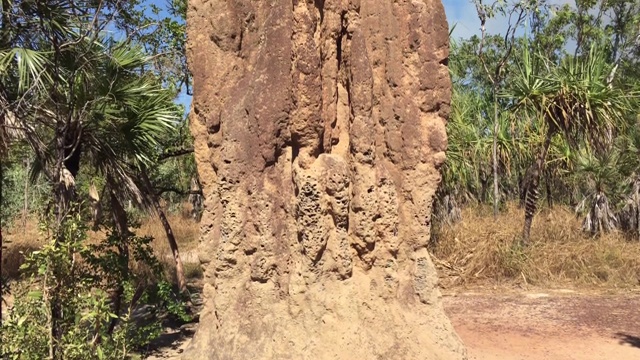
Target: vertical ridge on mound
x=319 y=128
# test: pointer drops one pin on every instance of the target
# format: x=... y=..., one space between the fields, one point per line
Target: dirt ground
x=558 y=324
x=500 y=324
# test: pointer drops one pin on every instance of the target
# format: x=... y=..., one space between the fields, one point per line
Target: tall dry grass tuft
x=479 y=250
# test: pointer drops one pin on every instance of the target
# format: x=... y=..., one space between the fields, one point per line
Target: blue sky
x=462 y=14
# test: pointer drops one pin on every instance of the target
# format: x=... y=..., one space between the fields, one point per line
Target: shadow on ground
x=176 y=332
x=170 y=341
x=626 y=339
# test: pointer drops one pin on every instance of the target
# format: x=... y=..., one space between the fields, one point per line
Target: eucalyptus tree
x=496 y=71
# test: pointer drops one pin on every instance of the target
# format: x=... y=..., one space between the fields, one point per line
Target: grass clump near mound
x=480 y=250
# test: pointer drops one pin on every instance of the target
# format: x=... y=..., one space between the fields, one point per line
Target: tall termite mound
x=319 y=128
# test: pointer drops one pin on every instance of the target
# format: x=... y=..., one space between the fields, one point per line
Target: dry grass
x=20 y=239
x=186 y=232
x=25 y=239
x=479 y=250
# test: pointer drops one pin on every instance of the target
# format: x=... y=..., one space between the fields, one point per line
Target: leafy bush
x=83 y=301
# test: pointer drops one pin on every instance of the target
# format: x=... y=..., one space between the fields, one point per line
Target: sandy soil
x=500 y=324
x=547 y=325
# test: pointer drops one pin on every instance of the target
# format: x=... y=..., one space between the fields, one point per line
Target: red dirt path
x=547 y=325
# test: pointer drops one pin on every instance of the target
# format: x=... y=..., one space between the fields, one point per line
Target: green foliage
x=568 y=93
x=78 y=280
x=16 y=185
x=88 y=106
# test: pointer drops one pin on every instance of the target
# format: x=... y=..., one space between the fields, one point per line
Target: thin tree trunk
x=64 y=195
x=1 y=243
x=496 y=193
x=532 y=191
x=120 y=221
x=182 y=283
x=548 y=185
x=25 y=208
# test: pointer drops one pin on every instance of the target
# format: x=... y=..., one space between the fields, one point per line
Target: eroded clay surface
x=319 y=129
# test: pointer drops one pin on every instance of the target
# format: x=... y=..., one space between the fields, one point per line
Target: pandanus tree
x=572 y=100
x=461 y=179
x=611 y=186
x=630 y=213
x=601 y=177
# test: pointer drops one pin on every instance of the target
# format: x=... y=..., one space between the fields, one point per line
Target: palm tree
x=601 y=175
x=630 y=213
x=71 y=93
x=572 y=100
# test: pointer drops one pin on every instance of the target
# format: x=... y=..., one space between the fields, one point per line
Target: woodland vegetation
x=544 y=127
x=550 y=107
x=544 y=121
x=90 y=136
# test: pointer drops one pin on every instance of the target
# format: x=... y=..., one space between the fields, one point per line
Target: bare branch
x=163 y=190
x=175 y=153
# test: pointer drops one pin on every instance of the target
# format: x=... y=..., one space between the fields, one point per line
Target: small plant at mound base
x=79 y=282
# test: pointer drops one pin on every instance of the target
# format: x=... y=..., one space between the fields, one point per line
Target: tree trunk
x=196 y=198
x=484 y=184
x=122 y=228
x=1 y=242
x=182 y=282
x=64 y=196
x=532 y=184
x=496 y=128
x=547 y=183
x=25 y=208
x=318 y=143
x=522 y=191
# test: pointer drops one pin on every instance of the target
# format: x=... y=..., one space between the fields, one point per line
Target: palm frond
x=30 y=66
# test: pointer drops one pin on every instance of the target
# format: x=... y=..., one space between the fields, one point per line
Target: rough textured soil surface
x=547 y=325
x=541 y=325
x=319 y=130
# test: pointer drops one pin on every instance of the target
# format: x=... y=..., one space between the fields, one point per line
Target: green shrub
x=82 y=301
